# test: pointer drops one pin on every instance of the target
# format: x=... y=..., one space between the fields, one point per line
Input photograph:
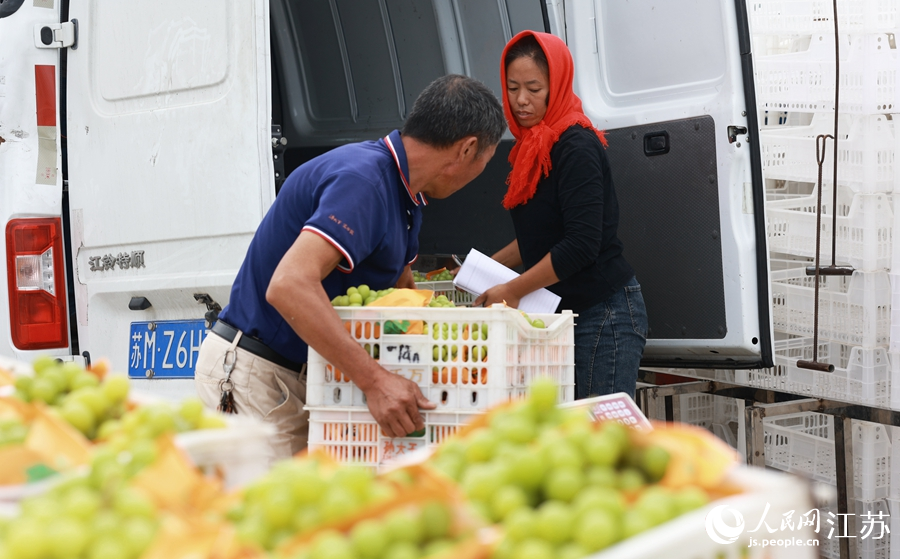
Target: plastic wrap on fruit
x=39 y=443
x=404 y=298
x=186 y=488
x=697 y=457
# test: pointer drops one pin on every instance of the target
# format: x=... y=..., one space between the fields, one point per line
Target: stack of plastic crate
x=465 y=360
x=794 y=61
x=804 y=444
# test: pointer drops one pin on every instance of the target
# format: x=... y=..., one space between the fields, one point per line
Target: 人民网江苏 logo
x=724 y=524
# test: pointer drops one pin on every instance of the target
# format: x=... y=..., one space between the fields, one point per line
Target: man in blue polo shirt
x=349 y=217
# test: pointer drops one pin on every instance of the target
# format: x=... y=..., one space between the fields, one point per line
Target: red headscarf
x=530 y=156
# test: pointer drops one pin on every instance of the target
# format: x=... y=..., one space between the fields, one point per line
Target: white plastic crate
x=854 y=310
x=871 y=460
x=460 y=298
x=456 y=367
x=240 y=453
x=867 y=517
x=697 y=409
x=894 y=358
x=717 y=414
x=895 y=313
x=770 y=45
x=894 y=507
x=894 y=493
x=777 y=189
x=804 y=17
x=867 y=151
x=804 y=444
x=864 y=228
x=728 y=415
x=861 y=375
x=863 y=522
x=353 y=435
x=801 y=444
x=804 y=81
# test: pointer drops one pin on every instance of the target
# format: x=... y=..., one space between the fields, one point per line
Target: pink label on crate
x=621 y=408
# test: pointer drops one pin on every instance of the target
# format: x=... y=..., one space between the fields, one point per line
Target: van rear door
x=672 y=83
x=34 y=301
x=170 y=171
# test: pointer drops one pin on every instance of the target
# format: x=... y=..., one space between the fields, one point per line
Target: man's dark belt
x=254 y=346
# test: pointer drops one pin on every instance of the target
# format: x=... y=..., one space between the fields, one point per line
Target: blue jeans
x=609 y=342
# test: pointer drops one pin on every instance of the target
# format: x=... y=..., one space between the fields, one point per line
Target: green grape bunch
x=413 y=532
x=150 y=421
x=444 y=275
x=298 y=496
x=559 y=485
x=441 y=301
x=360 y=296
x=78 y=395
x=99 y=409
x=84 y=517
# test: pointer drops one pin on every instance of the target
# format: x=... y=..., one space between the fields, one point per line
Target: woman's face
x=527 y=88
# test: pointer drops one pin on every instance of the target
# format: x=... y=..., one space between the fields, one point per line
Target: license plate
x=165 y=349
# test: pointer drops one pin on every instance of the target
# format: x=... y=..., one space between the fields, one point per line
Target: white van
x=141 y=143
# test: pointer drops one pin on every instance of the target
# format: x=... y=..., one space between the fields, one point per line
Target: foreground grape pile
x=559 y=485
x=525 y=480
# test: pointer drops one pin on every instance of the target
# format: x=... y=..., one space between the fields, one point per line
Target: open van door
x=672 y=83
x=34 y=304
x=170 y=171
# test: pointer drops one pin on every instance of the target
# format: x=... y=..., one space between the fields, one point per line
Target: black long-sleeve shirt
x=574 y=216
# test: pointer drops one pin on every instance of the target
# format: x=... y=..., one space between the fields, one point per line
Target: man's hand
x=498 y=294
x=296 y=292
x=395 y=403
x=406 y=279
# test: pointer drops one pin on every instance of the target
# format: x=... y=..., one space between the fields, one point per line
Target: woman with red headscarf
x=565 y=213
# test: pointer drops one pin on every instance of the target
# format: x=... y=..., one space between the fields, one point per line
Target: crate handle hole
x=337 y=395
x=474 y=398
x=444 y=397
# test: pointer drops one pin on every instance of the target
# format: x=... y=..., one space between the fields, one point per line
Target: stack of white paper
x=481 y=272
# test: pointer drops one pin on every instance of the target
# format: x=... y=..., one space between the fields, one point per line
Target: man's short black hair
x=454 y=107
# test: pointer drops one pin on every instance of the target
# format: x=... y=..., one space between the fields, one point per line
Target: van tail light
x=37 y=288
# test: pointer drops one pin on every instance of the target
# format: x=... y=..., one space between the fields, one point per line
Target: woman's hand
x=498 y=294
x=541 y=275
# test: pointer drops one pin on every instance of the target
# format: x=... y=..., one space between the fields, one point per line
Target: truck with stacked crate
x=142 y=143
